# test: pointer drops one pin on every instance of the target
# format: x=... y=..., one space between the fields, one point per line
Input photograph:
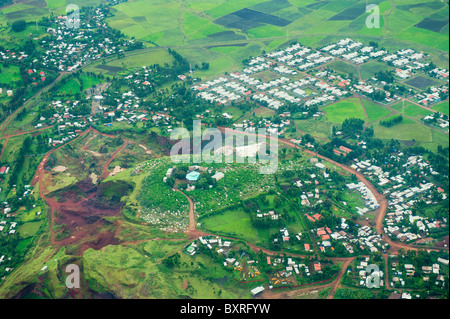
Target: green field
x=71 y=87
x=411 y=110
x=442 y=107
x=267 y=32
x=426 y=37
x=349 y=108
x=407 y=130
x=9 y=75
x=29 y=229
x=343 y=68
x=136 y=59
x=438 y=138
x=375 y=111
x=369 y=69
x=321 y=129
x=236 y=223
x=416 y=111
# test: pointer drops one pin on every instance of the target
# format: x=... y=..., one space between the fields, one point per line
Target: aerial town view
x=250 y=151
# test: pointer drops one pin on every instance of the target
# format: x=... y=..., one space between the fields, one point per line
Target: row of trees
x=392 y=121
x=20 y=159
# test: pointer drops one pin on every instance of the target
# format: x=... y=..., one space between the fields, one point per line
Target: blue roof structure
x=193 y=176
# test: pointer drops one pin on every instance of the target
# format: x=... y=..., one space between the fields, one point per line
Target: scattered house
x=218 y=176
x=256 y=291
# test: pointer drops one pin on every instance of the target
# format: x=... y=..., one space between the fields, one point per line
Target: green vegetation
x=342 y=110
x=407 y=130
x=394 y=120
x=375 y=111
x=350 y=293
x=442 y=108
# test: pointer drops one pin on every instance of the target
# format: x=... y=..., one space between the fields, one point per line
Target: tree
x=19 y=25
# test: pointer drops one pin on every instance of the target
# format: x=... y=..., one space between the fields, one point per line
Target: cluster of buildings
x=439 y=73
x=68 y=126
x=370 y=202
x=8 y=93
x=406 y=58
x=70 y=48
x=284 y=89
x=353 y=51
x=268 y=124
x=287 y=88
x=433 y=96
x=437 y=119
x=402 y=196
x=223 y=248
x=284 y=270
x=402 y=271
x=365 y=239
x=285 y=275
x=365 y=277
x=193 y=175
x=9 y=227
x=297 y=56
x=271 y=214
x=221 y=91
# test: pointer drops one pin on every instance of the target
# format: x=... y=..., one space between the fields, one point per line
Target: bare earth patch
x=94 y=178
x=116 y=170
x=59 y=168
x=97 y=154
x=146 y=149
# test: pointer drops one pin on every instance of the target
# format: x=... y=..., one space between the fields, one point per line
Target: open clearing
x=349 y=108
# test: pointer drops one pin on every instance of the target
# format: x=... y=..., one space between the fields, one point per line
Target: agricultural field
x=423 y=83
x=415 y=111
x=197 y=25
x=32 y=10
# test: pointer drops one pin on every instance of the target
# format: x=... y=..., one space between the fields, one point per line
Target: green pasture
x=442 y=107
x=375 y=111
x=348 y=108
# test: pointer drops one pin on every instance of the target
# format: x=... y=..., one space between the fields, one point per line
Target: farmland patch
x=422 y=82
x=349 y=13
x=246 y=19
x=431 y=24
x=109 y=68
